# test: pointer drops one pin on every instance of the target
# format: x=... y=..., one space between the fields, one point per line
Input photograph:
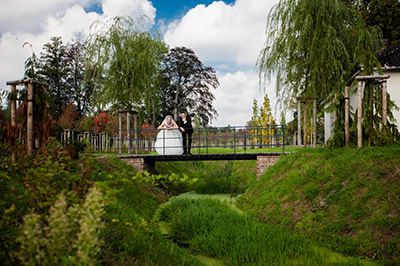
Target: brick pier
x=264 y=162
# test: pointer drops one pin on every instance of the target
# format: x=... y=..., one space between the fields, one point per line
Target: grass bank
x=346 y=199
x=117 y=230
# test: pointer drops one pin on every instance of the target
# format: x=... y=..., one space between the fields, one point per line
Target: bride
x=169 y=139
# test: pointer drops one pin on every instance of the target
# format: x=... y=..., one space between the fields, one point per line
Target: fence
x=204 y=140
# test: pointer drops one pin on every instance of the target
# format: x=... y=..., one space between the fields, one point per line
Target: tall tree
x=54 y=70
x=313 y=46
x=191 y=83
x=81 y=90
x=126 y=61
x=384 y=14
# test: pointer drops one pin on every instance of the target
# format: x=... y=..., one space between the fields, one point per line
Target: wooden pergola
x=305 y=100
x=128 y=130
x=29 y=83
x=360 y=88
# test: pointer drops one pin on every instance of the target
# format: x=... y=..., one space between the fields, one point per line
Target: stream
x=330 y=257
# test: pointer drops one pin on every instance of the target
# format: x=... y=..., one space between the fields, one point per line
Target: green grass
x=130 y=237
x=215 y=229
x=345 y=199
x=213 y=177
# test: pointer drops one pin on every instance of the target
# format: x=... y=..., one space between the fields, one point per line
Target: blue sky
x=171 y=10
x=226 y=35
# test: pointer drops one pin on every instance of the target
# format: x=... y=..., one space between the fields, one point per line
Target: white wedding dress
x=169 y=142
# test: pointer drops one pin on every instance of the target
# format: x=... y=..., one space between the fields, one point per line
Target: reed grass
x=215 y=229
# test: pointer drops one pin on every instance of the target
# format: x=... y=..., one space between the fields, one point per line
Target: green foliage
x=343 y=198
x=126 y=61
x=313 y=47
x=384 y=14
x=67 y=236
x=216 y=229
x=129 y=236
x=213 y=177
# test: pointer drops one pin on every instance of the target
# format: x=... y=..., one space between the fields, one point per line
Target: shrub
x=68 y=235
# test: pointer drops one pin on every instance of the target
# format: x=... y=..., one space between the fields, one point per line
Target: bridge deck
x=201 y=157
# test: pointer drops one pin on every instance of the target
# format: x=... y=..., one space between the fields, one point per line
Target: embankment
x=345 y=199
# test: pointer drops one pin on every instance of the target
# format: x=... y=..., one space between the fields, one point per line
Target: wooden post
x=305 y=125
x=120 y=133
x=384 y=103
x=315 y=123
x=359 y=114
x=128 y=131
x=29 y=127
x=136 y=134
x=346 y=116
x=299 y=123
x=13 y=119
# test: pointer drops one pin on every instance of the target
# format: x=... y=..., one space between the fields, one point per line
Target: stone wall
x=140 y=164
x=265 y=162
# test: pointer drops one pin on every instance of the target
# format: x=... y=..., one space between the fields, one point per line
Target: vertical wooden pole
x=346 y=116
x=315 y=123
x=305 y=125
x=384 y=102
x=120 y=133
x=13 y=119
x=136 y=134
x=299 y=123
x=29 y=123
x=359 y=114
x=128 y=131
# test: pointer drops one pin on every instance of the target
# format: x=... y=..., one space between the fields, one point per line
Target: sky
x=226 y=35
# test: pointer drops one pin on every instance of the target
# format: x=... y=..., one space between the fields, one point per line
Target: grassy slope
x=129 y=235
x=347 y=199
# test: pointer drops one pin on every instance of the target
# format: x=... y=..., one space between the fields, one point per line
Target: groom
x=185 y=125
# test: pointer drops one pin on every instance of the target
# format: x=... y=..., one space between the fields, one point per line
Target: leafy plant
x=68 y=235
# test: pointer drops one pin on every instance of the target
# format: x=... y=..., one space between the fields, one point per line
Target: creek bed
x=261 y=244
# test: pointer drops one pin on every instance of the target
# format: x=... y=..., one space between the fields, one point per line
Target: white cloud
x=132 y=8
x=234 y=97
x=35 y=21
x=229 y=35
x=228 y=38
x=30 y=16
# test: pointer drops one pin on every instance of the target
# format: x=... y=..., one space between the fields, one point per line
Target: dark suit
x=187 y=134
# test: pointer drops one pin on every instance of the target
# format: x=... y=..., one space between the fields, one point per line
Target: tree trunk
x=359 y=114
x=299 y=123
x=305 y=126
x=13 y=119
x=346 y=116
x=315 y=123
x=29 y=128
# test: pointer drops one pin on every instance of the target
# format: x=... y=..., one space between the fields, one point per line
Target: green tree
x=255 y=121
x=384 y=14
x=313 y=46
x=126 y=62
x=54 y=69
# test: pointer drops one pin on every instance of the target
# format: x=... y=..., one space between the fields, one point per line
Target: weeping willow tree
x=313 y=46
x=126 y=62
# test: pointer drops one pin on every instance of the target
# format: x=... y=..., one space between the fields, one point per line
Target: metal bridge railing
x=206 y=140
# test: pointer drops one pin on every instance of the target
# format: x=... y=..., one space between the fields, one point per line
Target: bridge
x=261 y=143
x=147 y=162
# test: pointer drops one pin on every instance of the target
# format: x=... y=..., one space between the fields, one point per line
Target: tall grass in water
x=211 y=227
x=215 y=179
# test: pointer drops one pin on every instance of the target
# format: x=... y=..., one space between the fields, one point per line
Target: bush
x=67 y=236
